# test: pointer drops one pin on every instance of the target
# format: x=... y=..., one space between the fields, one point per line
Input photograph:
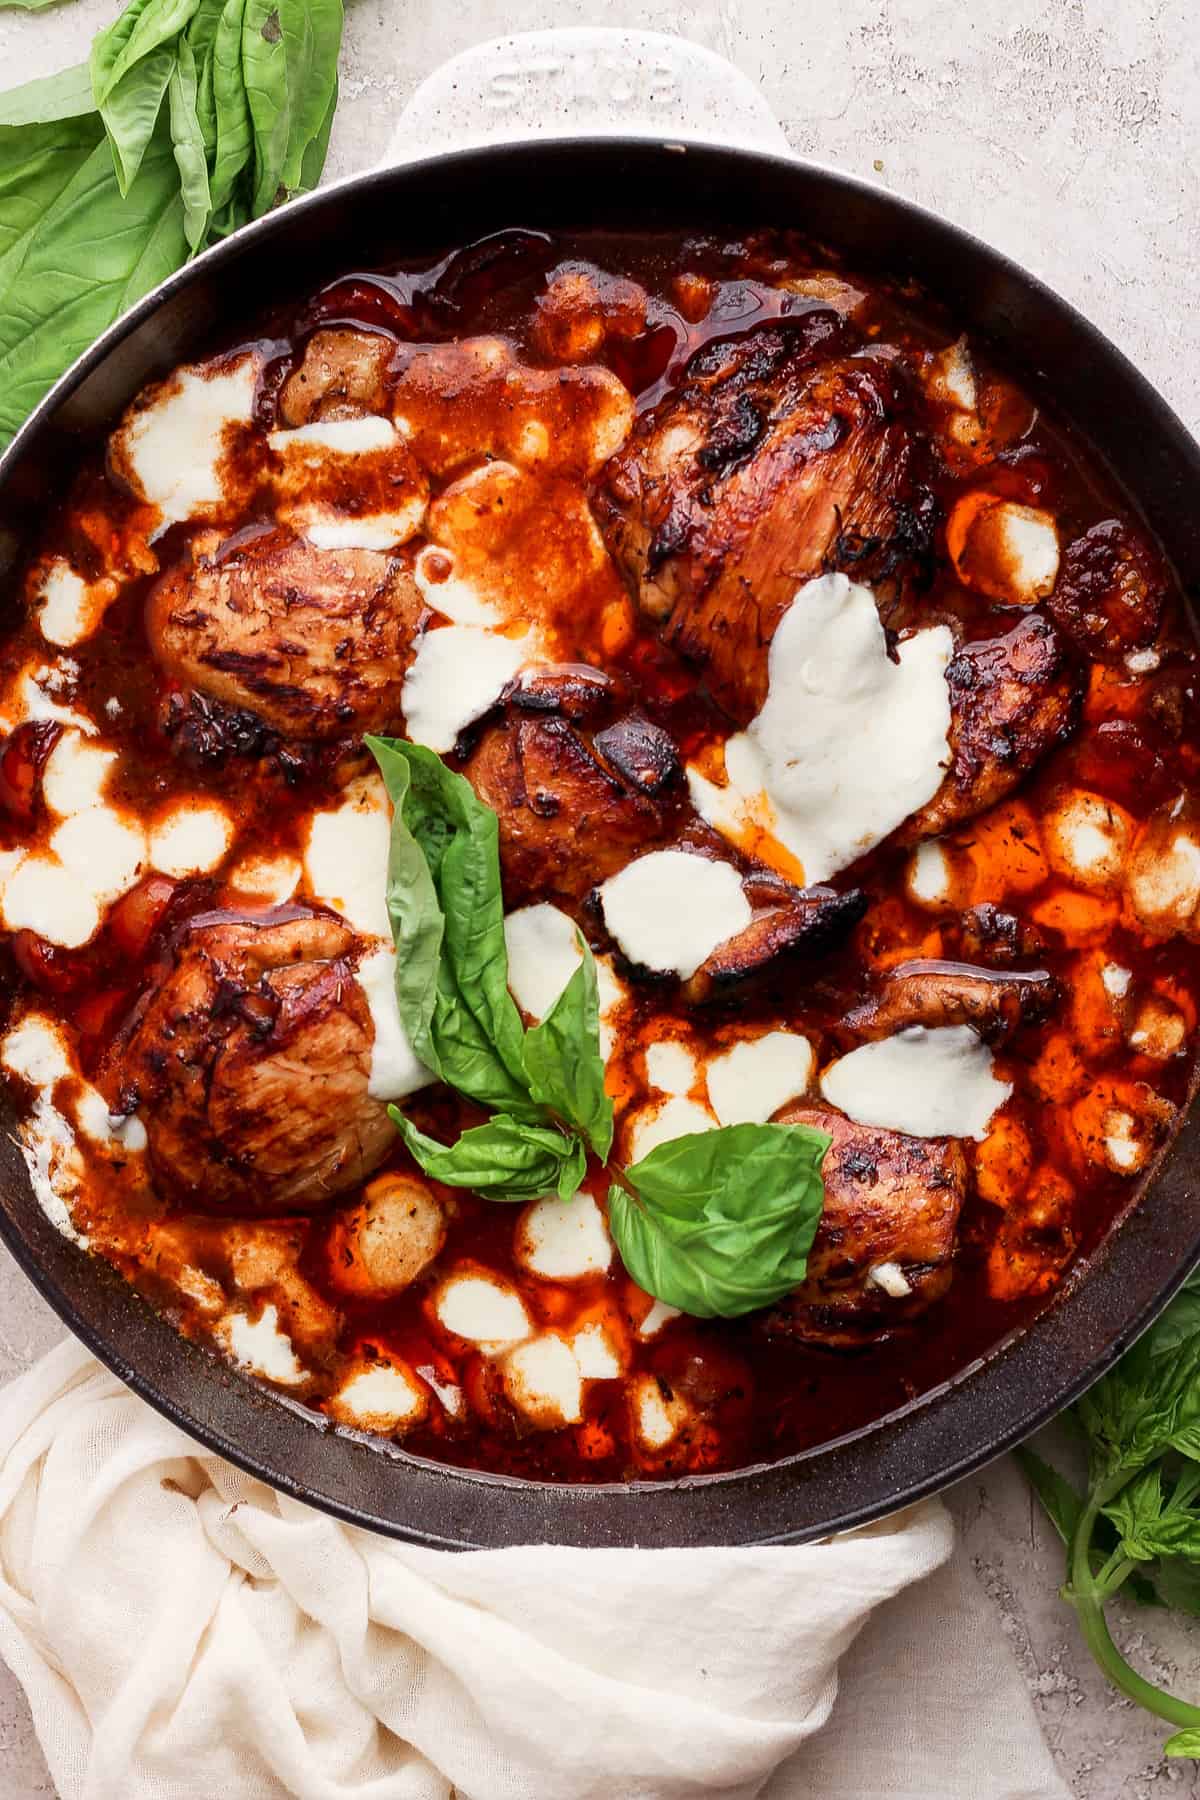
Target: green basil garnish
x=718 y=1224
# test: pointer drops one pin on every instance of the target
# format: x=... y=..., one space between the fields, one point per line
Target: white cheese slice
x=259 y=1346
x=1087 y=839
x=660 y=1314
x=753 y=1080
x=563 y=1240
x=457 y=674
x=483 y=1309
x=346 y=857
x=849 y=742
x=929 y=874
x=173 y=451
x=75 y=774
x=669 y=910
x=925 y=1082
x=670 y=1066
x=1116 y=980
x=193 y=838
x=658 y=1415
x=395 y=1068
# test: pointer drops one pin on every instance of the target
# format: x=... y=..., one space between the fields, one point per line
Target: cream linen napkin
x=182 y=1631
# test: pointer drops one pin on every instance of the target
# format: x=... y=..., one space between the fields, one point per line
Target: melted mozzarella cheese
x=1087 y=839
x=330 y=448
x=929 y=874
x=346 y=857
x=34 y=697
x=890 y=1277
x=754 y=1079
x=192 y=839
x=564 y=1240
x=395 y=1067
x=925 y=1082
x=598 y=1357
x=380 y=1397
x=660 y=1123
x=443 y=587
x=1116 y=980
x=69 y=608
x=56 y=1168
x=42 y=896
x=658 y=1413
x=670 y=1067
x=669 y=910
x=848 y=743
x=259 y=1346
x=543 y=954
x=458 y=673
x=273 y=878
x=482 y=1309
x=172 y=452
x=660 y=1314
x=543 y=1381
x=103 y=851
x=76 y=774
x=34 y=1050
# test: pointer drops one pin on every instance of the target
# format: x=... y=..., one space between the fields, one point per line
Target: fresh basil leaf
x=235 y=138
x=723 y=1220
x=74 y=254
x=504 y=1159
x=574 y=1169
x=312 y=163
x=1061 y=1504
x=144 y=27
x=563 y=1060
x=200 y=37
x=188 y=139
x=1136 y=1512
x=132 y=64
x=29 y=5
x=1184 y=1743
x=64 y=96
x=474 y=1037
x=1178 y=1586
x=289 y=57
x=413 y=908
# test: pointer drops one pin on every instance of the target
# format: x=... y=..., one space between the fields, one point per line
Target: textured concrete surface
x=1064 y=134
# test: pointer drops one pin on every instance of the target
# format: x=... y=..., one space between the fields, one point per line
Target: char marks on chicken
x=778 y=457
x=892 y=1204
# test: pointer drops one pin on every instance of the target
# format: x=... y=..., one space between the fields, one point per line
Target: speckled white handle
x=585 y=82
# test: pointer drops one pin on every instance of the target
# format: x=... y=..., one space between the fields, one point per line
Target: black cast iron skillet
x=430 y=207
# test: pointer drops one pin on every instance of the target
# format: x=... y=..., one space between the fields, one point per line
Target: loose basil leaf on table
x=503 y=1159
x=722 y=1221
x=563 y=1060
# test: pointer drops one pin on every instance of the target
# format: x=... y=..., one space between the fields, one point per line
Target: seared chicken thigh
x=249 y=1060
x=891 y=1206
x=315 y=642
x=766 y=466
x=1012 y=699
x=995 y=1002
x=340 y=376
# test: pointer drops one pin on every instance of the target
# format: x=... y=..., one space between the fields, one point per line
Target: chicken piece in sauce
x=1013 y=698
x=342 y=375
x=314 y=642
x=775 y=459
x=994 y=1002
x=249 y=1059
x=884 y=1250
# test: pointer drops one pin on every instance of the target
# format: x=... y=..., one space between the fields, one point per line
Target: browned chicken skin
x=766 y=466
x=249 y=1060
x=1012 y=699
x=315 y=642
x=889 y=1199
x=342 y=375
x=932 y=993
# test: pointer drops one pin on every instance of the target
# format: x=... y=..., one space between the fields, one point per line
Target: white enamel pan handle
x=590 y=82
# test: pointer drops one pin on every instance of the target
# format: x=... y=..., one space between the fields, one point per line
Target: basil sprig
x=717 y=1223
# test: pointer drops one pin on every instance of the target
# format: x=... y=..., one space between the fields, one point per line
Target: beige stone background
x=1065 y=132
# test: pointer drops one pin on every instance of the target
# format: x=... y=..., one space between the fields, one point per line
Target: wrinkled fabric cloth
x=181 y=1630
